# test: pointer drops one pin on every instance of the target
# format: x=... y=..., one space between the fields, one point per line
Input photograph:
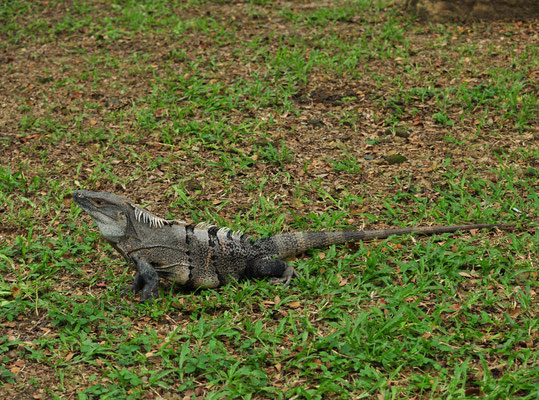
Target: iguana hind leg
x=285 y=279
x=278 y=270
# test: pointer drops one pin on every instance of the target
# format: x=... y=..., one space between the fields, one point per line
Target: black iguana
x=203 y=255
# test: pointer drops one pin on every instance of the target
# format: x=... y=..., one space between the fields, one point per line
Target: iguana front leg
x=138 y=284
x=146 y=279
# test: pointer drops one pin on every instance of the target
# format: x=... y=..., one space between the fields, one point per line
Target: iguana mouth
x=88 y=205
x=82 y=200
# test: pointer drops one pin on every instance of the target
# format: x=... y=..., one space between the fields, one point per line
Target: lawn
x=267 y=117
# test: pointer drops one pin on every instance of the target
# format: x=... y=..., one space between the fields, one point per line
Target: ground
x=270 y=116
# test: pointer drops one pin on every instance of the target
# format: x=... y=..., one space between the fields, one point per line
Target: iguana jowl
x=203 y=255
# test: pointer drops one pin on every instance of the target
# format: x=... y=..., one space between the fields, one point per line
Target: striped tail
x=292 y=244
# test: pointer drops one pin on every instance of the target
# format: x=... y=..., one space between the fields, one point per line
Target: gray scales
x=204 y=255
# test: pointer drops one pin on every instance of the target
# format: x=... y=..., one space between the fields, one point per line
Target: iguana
x=204 y=255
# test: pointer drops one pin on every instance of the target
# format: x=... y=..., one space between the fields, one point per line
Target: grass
x=268 y=117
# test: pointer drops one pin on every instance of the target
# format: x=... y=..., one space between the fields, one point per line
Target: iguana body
x=208 y=256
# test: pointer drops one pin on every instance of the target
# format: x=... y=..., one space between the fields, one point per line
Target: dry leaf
x=294 y=305
x=515 y=313
x=15 y=370
x=15 y=291
x=343 y=281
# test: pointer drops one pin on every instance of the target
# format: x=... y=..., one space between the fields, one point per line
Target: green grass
x=268 y=118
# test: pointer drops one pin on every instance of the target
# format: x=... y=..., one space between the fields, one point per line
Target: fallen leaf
x=15 y=370
x=15 y=291
x=294 y=305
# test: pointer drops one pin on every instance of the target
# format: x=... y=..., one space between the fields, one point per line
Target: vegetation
x=268 y=116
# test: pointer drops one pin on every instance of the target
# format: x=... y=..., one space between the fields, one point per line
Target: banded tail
x=292 y=244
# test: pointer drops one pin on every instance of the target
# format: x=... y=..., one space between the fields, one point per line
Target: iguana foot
x=137 y=285
x=149 y=292
x=126 y=291
x=284 y=280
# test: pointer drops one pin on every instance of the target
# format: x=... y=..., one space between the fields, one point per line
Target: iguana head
x=109 y=211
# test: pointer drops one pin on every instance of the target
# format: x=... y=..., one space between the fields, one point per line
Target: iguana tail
x=291 y=244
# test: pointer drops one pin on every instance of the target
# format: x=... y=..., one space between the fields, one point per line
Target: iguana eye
x=97 y=202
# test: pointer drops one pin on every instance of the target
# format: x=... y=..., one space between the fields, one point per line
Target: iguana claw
x=289 y=273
